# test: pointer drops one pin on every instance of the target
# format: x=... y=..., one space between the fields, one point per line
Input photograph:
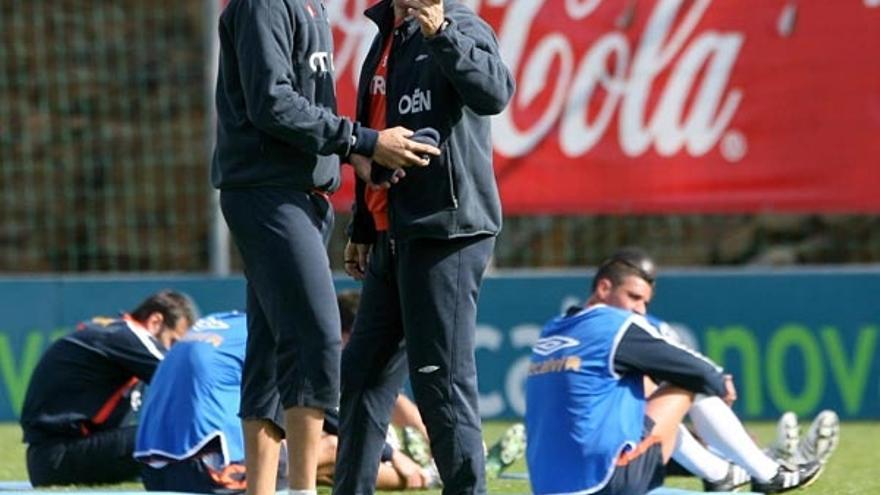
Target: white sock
x=723 y=431
x=695 y=458
x=291 y=491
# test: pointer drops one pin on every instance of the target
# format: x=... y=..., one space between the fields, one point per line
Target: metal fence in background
x=104 y=163
x=102 y=136
x=679 y=240
x=692 y=240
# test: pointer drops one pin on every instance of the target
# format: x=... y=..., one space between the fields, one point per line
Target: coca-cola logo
x=665 y=88
x=694 y=108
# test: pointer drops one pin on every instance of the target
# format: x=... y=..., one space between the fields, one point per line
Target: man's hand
x=363 y=167
x=356 y=256
x=429 y=13
x=395 y=150
x=408 y=470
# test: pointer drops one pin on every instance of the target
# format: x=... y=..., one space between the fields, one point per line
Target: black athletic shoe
x=736 y=479
x=788 y=478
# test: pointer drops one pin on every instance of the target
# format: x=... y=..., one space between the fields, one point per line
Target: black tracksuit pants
x=424 y=291
x=294 y=342
x=100 y=458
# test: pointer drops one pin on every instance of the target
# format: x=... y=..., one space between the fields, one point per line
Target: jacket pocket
x=427 y=190
x=276 y=150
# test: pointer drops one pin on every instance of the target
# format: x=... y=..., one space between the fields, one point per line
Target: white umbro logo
x=549 y=345
x=423 y=56
x=428 y=369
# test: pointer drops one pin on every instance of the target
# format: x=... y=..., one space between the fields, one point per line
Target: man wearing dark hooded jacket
x=421 y=245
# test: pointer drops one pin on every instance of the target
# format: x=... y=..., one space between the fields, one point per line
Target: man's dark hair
x=172 y=305
x=626 y=262
x=348 y=301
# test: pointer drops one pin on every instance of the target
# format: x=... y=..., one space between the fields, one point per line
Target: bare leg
x=304 y=427
x=667 y=407
x=262 y=441
x=327 y=459
x=400 y=474
x=389 y=479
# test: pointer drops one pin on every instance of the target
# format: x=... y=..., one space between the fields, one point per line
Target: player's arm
x=362 y=229
x=135 y=351
x=264 y=47
x=406 y=413
x=642 y=349
x=467 y=53
x=361 y=233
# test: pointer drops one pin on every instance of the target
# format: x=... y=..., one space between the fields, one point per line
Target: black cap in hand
x=425 y=135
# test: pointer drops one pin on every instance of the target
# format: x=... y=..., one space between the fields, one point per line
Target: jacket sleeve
x=264 y=34
x=642 y=349
x=361 y=230
x=137 y=353
x=467 y=53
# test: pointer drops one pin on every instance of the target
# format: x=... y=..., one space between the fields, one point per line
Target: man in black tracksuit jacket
x=276 y=161
x=77 y=416
x=423 y=276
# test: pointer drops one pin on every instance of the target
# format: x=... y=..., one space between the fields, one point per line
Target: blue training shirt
x=194 y=396
x=580 y=413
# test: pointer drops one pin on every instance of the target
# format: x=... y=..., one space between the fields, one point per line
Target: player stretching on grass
x=591 y=427
x=77 y=416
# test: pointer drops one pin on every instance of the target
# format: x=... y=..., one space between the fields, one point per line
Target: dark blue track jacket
x=276 y=99
x=452 y=82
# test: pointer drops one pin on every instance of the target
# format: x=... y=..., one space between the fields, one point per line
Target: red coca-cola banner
x=661 y=106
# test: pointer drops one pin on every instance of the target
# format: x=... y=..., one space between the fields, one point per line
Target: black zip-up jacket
x=84 y=381
x=276 y=99
x=452 y=82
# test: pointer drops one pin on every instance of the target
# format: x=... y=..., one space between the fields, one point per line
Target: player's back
x=579 y=412
x=193 y=399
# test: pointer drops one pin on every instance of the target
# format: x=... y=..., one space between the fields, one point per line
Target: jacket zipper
x=449 y=166
x=395 y=36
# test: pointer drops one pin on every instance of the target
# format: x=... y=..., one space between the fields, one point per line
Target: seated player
x=591 y=426
x=190 y=438
x=80 y=399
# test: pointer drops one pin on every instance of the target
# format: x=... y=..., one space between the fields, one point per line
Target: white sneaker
x=789 y=478
x=735 y=479
x=416 y=446
x=785 y=445
x=507 y=450
x=821 y=439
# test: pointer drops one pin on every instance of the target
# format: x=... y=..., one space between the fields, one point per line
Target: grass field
x=852 y=470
